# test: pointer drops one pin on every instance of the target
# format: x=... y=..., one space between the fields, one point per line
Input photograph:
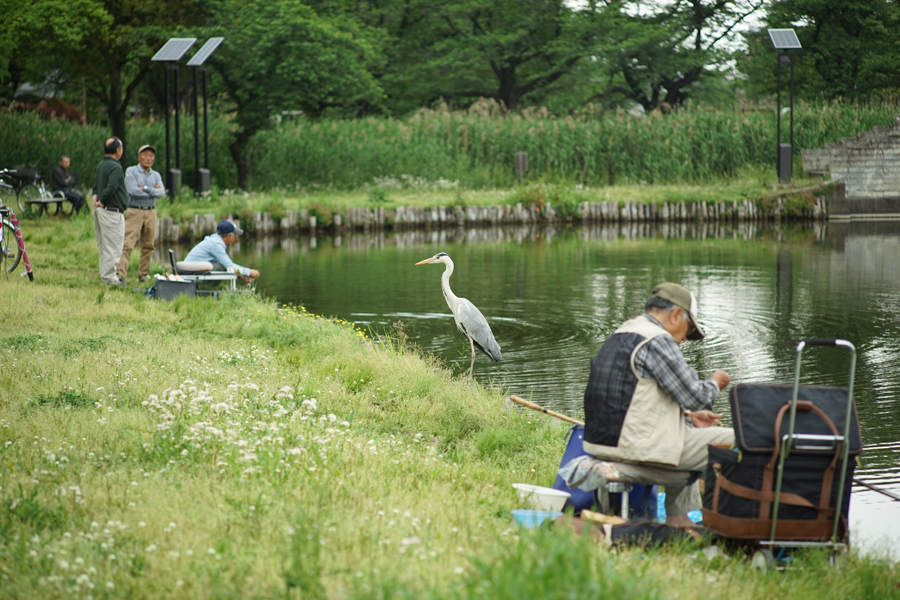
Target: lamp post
x=171 y=52
x=785 y=39
x=201 y=176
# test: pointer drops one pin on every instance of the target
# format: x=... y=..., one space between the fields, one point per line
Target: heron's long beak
x=427 y=261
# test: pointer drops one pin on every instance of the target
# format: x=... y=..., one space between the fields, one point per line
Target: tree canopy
x=281 y=56
x=107 y=45
x=359 y=57
x=850 y=48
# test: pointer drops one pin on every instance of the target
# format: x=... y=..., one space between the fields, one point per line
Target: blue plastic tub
x=533 y=518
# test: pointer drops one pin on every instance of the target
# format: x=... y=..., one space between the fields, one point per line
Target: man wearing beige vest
x=645 y=407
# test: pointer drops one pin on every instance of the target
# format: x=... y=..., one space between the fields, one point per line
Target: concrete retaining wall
x=868 y=166
x=416 y=217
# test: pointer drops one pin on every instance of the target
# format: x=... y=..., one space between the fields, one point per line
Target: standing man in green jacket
x=110 y=203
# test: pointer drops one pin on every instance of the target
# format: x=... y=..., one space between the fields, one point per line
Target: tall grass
x=435 y=149
x=477 y=148
x=26 y=139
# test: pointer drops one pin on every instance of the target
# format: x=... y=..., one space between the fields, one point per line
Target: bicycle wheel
x=29 y=191
x=10 y=253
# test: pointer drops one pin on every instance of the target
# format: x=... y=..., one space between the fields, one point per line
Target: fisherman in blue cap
x=213 y=250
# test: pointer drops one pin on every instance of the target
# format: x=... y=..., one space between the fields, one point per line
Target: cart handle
x=825 y=342
x=819 y=342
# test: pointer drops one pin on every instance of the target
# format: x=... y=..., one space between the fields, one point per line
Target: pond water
x=552 y=295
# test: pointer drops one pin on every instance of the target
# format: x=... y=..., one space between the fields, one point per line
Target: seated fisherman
x=213 y=250
x=645 y=406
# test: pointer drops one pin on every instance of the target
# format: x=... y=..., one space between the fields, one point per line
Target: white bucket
x=542 y=498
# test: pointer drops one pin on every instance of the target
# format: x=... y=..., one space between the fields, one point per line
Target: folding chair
x=201 y=271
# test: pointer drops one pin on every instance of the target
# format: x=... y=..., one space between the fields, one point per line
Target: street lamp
x=785 y=39
x=201 y=176
x=172 y=52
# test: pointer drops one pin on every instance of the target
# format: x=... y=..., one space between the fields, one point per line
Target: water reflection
x=552 y=295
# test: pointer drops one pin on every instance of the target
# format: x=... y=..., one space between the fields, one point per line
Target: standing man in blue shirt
x=144 y=187
x=213 y=250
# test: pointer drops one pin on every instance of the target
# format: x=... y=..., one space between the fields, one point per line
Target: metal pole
x=205 y=126
x=196 y=135
x=168 y=145
x=177 y=127
x=792 y=101
x=83 y=102
x=778 y=122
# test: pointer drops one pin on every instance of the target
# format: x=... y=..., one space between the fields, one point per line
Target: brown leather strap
x=735 y=489
x=765 y=507
x=827 y=477
x=717 y=468
x=760 y=529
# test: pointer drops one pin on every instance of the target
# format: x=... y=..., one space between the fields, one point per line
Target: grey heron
x=468 y=319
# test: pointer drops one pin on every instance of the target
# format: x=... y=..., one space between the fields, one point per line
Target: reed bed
x=472 y=149
x=26 y=139
x=476 y=148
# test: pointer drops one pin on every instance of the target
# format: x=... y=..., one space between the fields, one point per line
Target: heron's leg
x=472 y=368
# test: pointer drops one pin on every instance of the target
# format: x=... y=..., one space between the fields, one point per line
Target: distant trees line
x=473 y=148
x=339 y=59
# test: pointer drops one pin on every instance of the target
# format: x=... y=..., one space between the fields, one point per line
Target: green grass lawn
x=235 y=449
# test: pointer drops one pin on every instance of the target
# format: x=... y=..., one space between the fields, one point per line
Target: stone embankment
x=867 y=169
x=806 y=205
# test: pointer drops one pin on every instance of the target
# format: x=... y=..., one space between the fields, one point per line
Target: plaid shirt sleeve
x=661 y=359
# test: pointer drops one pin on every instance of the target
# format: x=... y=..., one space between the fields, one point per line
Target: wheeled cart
x=787 y=483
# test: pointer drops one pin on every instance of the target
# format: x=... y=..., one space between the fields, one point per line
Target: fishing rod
x=874 y=488
x=546 y=411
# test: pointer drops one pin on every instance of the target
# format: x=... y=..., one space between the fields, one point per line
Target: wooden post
x=521 y=164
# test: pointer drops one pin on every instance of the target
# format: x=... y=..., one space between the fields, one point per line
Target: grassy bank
x=750 y=184
x=468 y=149
x=228 y=449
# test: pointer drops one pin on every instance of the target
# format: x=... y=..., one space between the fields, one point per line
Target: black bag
x=740 y=483
x=638 y=532
x=642 y=532
x=166 y=289
x=26 y=174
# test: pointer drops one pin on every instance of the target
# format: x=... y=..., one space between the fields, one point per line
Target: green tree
x=512 y=51
x=33 y=33
x=281 y=56
x=849 y=49
x=507 y=49
x=106 y=43
x=663 y=52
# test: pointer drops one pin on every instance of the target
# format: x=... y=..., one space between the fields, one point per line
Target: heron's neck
x=449 y=296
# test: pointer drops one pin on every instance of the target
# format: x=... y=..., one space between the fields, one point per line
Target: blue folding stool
x=642 y=498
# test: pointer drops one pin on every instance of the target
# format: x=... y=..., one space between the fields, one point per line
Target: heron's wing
x=472 y=323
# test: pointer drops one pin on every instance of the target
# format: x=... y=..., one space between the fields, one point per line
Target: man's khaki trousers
x=139 y=225
x=109 y=227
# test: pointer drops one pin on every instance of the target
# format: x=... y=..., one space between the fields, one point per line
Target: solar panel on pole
x=171 y=52
x=784 y=39
x=201 y=175
x=174 y=49
x=203 y=53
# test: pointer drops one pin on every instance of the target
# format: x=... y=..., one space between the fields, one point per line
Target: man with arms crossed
x=144 y=187
x=110 y=202
x=63 y=181
x=646 y=407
